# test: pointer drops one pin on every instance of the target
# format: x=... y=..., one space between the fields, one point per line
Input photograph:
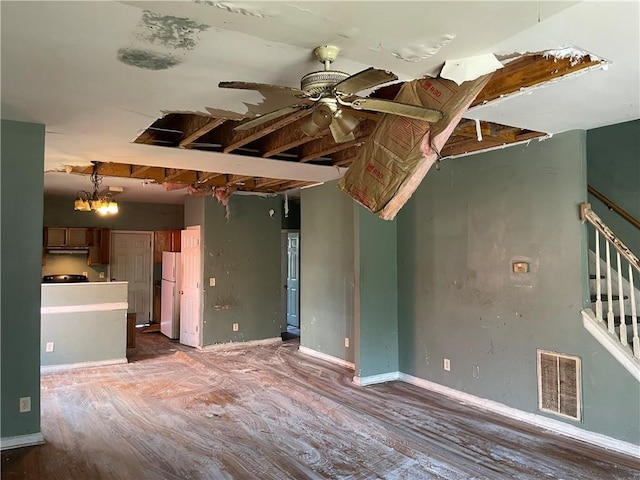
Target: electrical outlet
x=85 y=273
x=476 y=371
x=25 y=404
x=447 y=364
x=212 y=282
x=235 y=327
x=49 y=348
x=346 y=342
x=101 y=275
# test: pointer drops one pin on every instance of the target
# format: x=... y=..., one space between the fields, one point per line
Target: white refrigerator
x=170 y=295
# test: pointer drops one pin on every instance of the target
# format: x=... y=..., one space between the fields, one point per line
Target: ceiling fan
x=326 y=92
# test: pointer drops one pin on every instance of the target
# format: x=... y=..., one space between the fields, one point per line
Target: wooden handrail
x=615 y=207
x=586 y=214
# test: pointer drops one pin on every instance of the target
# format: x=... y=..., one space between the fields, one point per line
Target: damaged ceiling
x=134 y=84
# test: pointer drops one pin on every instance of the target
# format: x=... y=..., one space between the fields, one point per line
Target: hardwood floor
x=269 y=412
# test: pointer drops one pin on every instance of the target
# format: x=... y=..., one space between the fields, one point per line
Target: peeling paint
x=573 y=53
x=419 y=50
x=233 y=8
x=168 y=31
x=147 y=59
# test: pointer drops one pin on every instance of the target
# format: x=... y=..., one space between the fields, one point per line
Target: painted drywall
x=193 y=211
x=458 y=297
x=376 y=305
x=243 y=255
x=613 y=168
x=83 y=336
x=327 y=286
x=59 y=212
x=21 y=166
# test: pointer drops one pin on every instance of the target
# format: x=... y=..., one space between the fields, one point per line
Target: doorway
x=131 y=262
x=291 y=281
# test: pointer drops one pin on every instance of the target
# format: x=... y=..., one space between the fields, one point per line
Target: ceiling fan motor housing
x=318 y=84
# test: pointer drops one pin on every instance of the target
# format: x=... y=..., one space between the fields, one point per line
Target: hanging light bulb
x=319 y=119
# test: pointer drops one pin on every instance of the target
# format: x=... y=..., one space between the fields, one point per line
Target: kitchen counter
x=83 y=324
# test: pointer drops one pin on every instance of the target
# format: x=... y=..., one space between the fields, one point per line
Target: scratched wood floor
x=269 y=412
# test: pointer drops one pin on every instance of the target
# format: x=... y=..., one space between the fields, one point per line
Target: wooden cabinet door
x=55 y=236
x=165 y=241
x=161 y=243
x=77 y=237
x=99 y=250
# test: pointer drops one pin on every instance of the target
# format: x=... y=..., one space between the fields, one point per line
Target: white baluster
x=623 y=326
x=634 y=315
x=598 y=282
x=610 y=319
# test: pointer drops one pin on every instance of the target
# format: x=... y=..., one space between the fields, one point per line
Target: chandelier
x=104 y=204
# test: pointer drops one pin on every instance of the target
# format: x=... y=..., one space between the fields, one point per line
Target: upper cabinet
x=165 y=241
x=66 y=237
x=99 y=246
x=94 y=240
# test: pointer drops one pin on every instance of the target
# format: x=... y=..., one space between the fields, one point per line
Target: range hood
x=68 y=251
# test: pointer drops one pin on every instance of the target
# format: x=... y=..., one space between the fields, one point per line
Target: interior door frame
x=284 y=263
x=150 y=234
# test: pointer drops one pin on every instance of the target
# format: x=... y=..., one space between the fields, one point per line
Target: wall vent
x=559 y=384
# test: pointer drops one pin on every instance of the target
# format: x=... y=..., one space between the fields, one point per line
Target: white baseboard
x=550 y=424
x=7 y=443
x=250 y=343
x=324 y=356
x=373 y=379
x=73 y=366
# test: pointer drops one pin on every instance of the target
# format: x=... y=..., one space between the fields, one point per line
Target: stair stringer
x=623 y=354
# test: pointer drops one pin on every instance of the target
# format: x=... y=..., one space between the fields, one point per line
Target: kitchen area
x=86 y=295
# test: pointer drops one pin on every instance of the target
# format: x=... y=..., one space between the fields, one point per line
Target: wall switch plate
x=520 y=267
x=235 y=327
x=212 y=282
x=49 y=348
x=346 y=342
x=476 y=371
x=25 y=404
x=447 y=364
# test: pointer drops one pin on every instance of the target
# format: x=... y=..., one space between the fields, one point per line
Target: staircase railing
x=633 y=268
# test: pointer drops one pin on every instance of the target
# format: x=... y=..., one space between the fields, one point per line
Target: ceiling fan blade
x=254 y=122
x=264 y=87
x=371 y=77
x=397 y=108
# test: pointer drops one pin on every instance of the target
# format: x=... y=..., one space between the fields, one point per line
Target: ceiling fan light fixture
x=347 y=123
x=319 y=119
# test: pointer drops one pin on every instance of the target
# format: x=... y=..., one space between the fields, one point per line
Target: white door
x=293 y=270
x=191 y=287
x=131 y=262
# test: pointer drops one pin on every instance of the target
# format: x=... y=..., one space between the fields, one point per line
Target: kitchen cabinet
x=93 y=240
x=165 y=241
x=99 y=246
x=66 y=237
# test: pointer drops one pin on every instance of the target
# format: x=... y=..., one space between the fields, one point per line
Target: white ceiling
x=61 y=67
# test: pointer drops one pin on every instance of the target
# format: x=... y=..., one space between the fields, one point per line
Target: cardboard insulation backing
x=399 y=153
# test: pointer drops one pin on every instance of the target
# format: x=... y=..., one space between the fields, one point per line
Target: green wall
x=327 y=263
x=376 y=312
x=243 y=255
x=59 y=212
x=613 y=168
x=458 y=297
x=22 y=165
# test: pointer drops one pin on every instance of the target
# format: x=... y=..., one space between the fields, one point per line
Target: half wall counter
x=83 y=324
